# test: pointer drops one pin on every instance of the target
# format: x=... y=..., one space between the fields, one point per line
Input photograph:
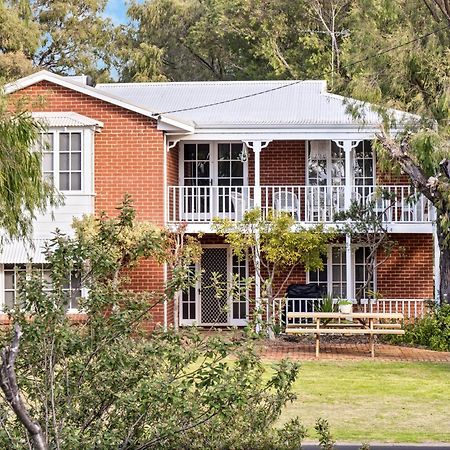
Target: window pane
x=237 y=169
x=47 y=162
x=47 y=142
x=224 y=152
x=64 y=181
x=76 y=142
x=9 y=280
x=189 y=170
x=64 y=161
x=203 y=170
x=75 y=161
x=9 y=299
x=189 y=151
x=64 y=142
x=74 y=299
x=75 y=181
x=236 y=151
x=359 y=255
x=359 y=273
x=223 y=169
x=48 y=177
x=203 y=152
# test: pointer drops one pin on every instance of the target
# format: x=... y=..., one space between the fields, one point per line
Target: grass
x=375 y=401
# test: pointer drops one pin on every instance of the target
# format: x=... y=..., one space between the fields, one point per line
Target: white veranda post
x=257 y=146
x=348 y=147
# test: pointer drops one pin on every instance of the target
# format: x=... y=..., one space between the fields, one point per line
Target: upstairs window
x=62 y=160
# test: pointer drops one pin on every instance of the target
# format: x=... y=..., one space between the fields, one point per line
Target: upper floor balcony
x=310 y=180
x=402 y=207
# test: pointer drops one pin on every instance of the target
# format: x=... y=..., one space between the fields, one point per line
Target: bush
x=432 y=331
x=106 y=384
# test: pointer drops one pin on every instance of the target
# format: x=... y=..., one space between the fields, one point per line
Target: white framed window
x=333 y=277
x=326 y=164
x=239 y=303
x=10 y=276
x=213 y=164
x=11 y=280
x=74 y=292
x=364 y=164
x=63 y=158
x=70 y=158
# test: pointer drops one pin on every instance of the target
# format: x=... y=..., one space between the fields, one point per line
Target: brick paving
x=349 y=351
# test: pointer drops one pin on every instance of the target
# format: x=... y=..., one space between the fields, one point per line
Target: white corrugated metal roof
x=66 y=119
x=21 y=253
x=260 y=104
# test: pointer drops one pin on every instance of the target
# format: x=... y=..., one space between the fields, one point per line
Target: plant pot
x=346 y=309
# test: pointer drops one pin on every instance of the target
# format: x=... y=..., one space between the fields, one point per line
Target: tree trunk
x=10 y=388
x=444 y=266
x=176 y=312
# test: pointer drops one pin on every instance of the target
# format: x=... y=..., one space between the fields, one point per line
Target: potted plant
x=345 y=306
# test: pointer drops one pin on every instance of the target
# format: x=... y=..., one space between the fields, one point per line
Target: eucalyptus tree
x=415 y=77
x=60 y=36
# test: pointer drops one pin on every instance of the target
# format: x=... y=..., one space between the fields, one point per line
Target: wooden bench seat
x=345 y=325
x=343 y=331
x=357 y=323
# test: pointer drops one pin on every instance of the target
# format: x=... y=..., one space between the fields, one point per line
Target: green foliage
x=23 y=191
x=63 y=37
x=102 y=382
x=223 y=39
x=326 y=441
x=365 y=223
x=277 y=239
x=327 y=304
x=432 y=331
x=275 y=245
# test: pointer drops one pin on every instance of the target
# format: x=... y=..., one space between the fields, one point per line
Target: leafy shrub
x=432 y=331
x=106 y=384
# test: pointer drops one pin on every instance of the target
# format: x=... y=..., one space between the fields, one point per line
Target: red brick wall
x=282 y=164
x=172 y=166
x=408 y=273
x=128 y=158
x=128 y=144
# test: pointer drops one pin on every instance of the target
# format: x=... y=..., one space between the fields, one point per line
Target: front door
x=213 y=291
x=212 y=302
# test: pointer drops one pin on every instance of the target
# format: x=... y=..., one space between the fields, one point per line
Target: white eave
x=66 y=82
x=65 y=119
x=23 y=253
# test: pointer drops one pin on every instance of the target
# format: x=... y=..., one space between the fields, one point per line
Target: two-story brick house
x=191 y=151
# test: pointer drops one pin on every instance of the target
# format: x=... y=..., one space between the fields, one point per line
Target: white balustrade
x=309 y=204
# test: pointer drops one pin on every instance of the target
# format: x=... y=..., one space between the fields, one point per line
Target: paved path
x=384 y=447
x=349 y=351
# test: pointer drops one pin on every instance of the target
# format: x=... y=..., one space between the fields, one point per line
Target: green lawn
x=375 y=401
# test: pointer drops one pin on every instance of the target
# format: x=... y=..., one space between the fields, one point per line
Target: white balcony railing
x=310 y=204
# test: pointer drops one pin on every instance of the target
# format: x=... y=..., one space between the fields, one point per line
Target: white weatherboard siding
x=75 y=203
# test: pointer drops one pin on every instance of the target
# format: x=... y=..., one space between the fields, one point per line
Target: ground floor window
x=333 y=277
x=10 y=278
